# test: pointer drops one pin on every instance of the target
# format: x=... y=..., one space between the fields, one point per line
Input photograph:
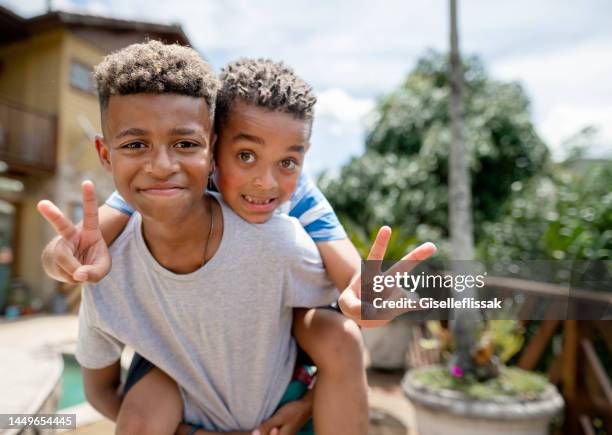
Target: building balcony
x=28 y=139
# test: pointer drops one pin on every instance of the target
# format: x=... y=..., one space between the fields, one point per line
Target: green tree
x=401 y=180
x=564 y=216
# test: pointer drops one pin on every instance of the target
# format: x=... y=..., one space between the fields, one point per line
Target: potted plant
x=490 y=399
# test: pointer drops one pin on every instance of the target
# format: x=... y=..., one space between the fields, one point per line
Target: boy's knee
x=341 y=346
x=133 y=420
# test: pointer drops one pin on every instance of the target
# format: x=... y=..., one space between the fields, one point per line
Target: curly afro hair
x=155 y=67
x=263 y=83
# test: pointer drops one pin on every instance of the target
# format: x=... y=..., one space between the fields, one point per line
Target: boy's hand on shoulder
x=76 y=254
x=350 y=299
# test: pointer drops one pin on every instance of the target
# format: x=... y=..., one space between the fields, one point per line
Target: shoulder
x=281 y=236
x=288 y=237
x=315 y=213
x=305 y=198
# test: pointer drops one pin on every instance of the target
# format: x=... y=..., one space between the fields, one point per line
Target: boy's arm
x=314 y=212
x=341 y=260
x=99 y=355
x=112 y=222
x=102 y=389
x=114 y=216
x=343 y=265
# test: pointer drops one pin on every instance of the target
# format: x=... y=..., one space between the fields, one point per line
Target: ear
x=103 y=153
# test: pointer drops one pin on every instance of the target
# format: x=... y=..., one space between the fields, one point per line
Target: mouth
x=260 y=203
x=162 y=190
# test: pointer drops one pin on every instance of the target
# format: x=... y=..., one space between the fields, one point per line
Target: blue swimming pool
x=72 y=383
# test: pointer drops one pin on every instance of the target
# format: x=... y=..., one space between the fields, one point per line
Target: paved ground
x=31 y=364
x=32 y=346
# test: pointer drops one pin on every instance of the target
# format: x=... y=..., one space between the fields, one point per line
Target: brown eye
x=289 y=164
x=136 y=145
x=246 y=156
x=186 y=144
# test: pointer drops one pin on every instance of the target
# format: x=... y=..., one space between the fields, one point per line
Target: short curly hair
x=263 y=83
x=155 y=67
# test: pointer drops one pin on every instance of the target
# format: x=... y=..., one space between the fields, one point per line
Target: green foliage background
x=525 y=206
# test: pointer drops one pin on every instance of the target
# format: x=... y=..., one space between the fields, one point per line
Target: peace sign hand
x=77 y=254
x=350 y=300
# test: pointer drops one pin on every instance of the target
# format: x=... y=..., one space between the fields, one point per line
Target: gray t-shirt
x=222 y=332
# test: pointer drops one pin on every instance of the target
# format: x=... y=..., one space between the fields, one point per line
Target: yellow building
x=48 y=118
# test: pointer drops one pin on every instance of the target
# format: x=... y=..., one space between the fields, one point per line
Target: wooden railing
x=27 y=138
x=577 y=370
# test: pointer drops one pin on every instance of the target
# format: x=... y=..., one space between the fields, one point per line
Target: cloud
x=578 y=73
x=569 y=87
x=337 y=103
x=563 y=121
x=338 y=129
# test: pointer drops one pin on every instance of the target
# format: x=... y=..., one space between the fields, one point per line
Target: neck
x=179 y=245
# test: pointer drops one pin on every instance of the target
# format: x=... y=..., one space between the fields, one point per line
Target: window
x=80 y=77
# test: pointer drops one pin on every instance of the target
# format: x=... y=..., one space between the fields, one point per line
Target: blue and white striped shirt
x=307 y=204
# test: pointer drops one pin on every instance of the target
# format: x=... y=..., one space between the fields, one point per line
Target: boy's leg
x=152 y=406
x=335 y=345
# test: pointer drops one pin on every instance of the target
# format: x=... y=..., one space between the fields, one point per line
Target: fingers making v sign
x=78 y=253
x=351 y=302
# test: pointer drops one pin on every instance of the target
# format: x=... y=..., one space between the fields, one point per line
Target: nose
x=161 y=163
x=265 y=179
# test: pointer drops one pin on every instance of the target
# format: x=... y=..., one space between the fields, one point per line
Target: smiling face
x=159 y=149
x=259 y=158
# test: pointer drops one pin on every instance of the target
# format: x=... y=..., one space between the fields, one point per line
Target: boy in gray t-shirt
x=183 y=324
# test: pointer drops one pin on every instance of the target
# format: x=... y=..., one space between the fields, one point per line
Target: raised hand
x=77 y=254
x=350 y=300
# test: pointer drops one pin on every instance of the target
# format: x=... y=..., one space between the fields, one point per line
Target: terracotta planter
x=442 y=412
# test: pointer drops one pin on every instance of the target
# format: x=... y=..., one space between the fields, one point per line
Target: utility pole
x=460 y=206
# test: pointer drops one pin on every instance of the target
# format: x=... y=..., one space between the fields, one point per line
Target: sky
x=354 y=52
